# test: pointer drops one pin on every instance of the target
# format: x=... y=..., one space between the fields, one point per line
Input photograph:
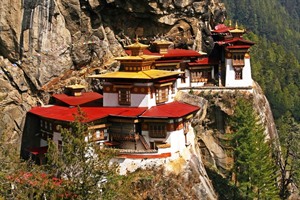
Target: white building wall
x=130 y=165
x=110 y=99
x=230 y=75
x=190 y=136
x=152 y=101
x=140 y=100
x=197 y=84
x=177 y=140
x=170 y=96
x=187 y=80
x=137 y=100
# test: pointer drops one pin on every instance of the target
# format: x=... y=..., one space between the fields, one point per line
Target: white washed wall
x=230 y=75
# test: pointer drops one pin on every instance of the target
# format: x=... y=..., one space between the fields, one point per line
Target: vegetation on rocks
x=255 y=172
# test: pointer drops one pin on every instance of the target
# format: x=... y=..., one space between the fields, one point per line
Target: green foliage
x=289 y=153
x=254 y=168
x=277 y=75
x=19 y=179
x=82 y=165
x=278 y=23
x=274 y=26
x=225 y=189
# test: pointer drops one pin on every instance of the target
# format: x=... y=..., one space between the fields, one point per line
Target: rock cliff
x=212 y=126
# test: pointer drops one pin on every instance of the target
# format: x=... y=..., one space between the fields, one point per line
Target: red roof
x=181 y=53
x=204 y=61
x=236 y=41
x=167 y=61
x=221 y=28
x=38 y=150
x=68 y=114
x=238 y=47
x=86 y=97
x=170 y=110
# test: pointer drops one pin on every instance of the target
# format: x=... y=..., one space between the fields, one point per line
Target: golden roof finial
x=230 y=23
x=236 y=25
x=136 y=38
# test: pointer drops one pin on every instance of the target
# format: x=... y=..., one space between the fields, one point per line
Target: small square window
x=124 y=96
x=162 y=94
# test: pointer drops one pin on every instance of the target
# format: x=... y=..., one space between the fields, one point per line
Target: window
x=99 y=135
x=157 y=130
x=124 y=96
x=162 y=94
x=200 y=76
x=238 y=60
x=238 y=73
x=183 y=77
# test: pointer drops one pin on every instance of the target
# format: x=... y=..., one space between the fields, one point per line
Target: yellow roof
x=141 y=57
x=236 y=30
x=76 y=86
x=137 y=45
x=145 y=75
x=162 y=42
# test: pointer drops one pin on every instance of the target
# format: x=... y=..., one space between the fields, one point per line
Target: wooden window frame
x=124 y=96
x=100 y=136
x=162 y=94
x=238 y=60
x=200 y=76
x=157 y=130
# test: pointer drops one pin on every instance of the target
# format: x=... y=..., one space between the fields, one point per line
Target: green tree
x=77 y=170
x=254 y=167
x=20 y=179
x=80 y=163
x=289 y=153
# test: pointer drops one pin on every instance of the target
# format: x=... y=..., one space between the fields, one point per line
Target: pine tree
x=81 y=165
x=254 y=168
x=289 y=153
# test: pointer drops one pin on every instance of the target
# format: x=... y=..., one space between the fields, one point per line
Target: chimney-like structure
x=137 y=48
x=137 y=61
x=76 y=90
x=162 y=46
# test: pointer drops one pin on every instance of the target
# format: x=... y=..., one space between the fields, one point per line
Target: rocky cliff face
x=211 y=128
x=45 y=44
